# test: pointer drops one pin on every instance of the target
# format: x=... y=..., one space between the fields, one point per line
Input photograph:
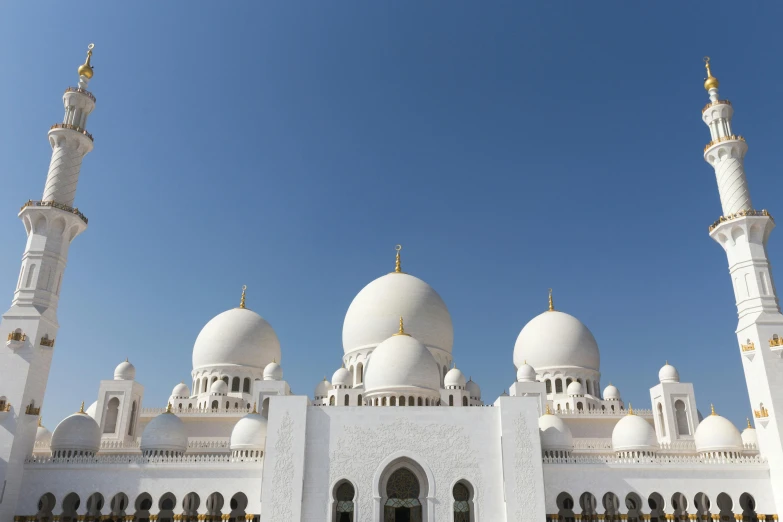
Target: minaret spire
x=397 y=261
x=551 y=302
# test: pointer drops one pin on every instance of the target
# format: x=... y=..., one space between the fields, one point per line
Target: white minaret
x=743 y=233
x=30 y=325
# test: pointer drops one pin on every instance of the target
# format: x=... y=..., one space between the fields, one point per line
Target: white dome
x=322 y=388
x=556 y=340
x=77 y=432
x=341 y=377
x=611 y=393
x=166 y=432
x=455 y=378
x=92 y=409
x=181 y=390
x=748 y=436
x=399 y=363
x=375 y=311
x=219 y=387
x=236 y=337
x=526 y=373
x=575 y=389
x=716 y=433
x=474 y=390
x=668 y=374
x=44 y=436
x=124 y=371
x=555 y=435
x=249 y=433
x=273 y=372
x=633 y=433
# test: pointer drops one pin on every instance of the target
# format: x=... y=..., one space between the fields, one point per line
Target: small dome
x=375 y=310
x=249 y=433
x=124 y=371
x=633 y=433
x=555 y=434
x=556 y=340
x=92 y=409
x=237 y=337
x=77 y=432
x=748 y=436
x=611 y=393
x=716 y=433
x=575 y=389
x=342 y=377
x=219 y=387
x=526 y=373
x=44 y=436
x=668 y=374
x=181 y=390
x=322 y=388
x=166 y=432
x=273 y=372
x=401 y=362
x=455 y=378
x=474 y=390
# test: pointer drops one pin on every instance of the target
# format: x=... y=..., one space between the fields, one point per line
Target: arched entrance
x=403 y=502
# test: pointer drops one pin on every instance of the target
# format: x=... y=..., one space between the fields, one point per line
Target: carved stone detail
x=524 y=482
x=282 y=496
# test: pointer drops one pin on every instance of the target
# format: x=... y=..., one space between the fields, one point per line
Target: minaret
x=743 y=232
x=30 y=324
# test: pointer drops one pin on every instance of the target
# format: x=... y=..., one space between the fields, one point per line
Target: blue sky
x=509 y=146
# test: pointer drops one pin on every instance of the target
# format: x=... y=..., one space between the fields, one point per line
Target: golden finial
x=86 y=69
x=630 y=409
x=126 y=359
x=453 y=365
x=81 y=409
x=710 y=82
x=712 y=410
x=397 y=262
x=242 y=299
x=551 y=303
x=548 y=412
x=255 y=406
x=747 y=419
x=168 y=408
x=402 y=329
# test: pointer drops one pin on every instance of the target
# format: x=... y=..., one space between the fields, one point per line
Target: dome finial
x=168 y=408
x=81 y=409
x=548 y=411
x=630 y=409
x=747 y=419
x=86 y=69
x=242 y=299
x=710 y=82
x=712 y=410
x=551 y=302
x=255 y=408
x=402 y=329
x=397 y=261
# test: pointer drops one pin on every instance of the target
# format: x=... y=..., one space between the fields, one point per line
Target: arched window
x=393 y=401
x=420 y=402
x=228 y=405
x=118 y=504
x=343 y=502
x=402 y=400
x=235 y=384
x=347 y=398
x=462 y=502
x=246 y=385
x=383 y=401
x=206 y=382
x=569 y=381
x=464 y=401
x=579 y=406
x=411 y=401
x=426 y=402
x=682 y=418
x=565 y=506
x=558 y=386
x=332 y=401
x=451 y=400
x=589 y=387
x=359 y=373
x=225 y=379
x=402 y=493
x=112 y=412
x=215 y=405
x=661 y=420
x=548 y=386
x=359 y=399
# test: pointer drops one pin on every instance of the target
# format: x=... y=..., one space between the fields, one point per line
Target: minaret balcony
x=71 y=127
x=741 y=213
x=713 y=104
x=32 y=410
x=92 y=97
x=54 y=204
x=733 y=137
x=45 y=341
x=16 y=340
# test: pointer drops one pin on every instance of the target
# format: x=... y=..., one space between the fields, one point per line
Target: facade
x=398 y=434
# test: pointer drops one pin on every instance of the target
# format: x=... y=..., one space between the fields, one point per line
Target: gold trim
x=741 y=213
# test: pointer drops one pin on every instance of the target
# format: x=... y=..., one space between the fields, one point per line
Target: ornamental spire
x=710 y=82
x=551 y=302
x=402 y=329
x=85 y=70
x=242 y=299
x=749 y=426
x=712 y=410
x=397 y=262
x=630 y=409
x=81 y=409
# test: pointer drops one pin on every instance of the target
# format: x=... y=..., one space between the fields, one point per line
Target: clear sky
x=509 y=146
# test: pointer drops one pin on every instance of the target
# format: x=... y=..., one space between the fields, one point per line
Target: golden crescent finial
x=86 y=69
x=397 y=261
x=747 y=419
x=551 y=302
x=710 y=82
x=630 y=409
x=242 y=299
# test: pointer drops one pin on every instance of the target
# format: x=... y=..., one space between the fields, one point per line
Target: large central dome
x=377 y=309
x=238 y=337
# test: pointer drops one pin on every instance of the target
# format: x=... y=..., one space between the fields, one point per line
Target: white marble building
x=399 y=434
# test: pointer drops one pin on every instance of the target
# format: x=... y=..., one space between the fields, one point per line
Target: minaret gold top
x=85 y=69
x=551 y=302
x=402 y=329
x=710 y=82
x=242 y=299
x=397 y=262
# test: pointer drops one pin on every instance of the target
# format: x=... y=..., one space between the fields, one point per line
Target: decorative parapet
x=195 y=411
x=196 y=459
x=32 y=410
x=733 y=137
x=657 y=460
x=92 y=97
x=17 y=336
x=119 y=444
x=45 y=341
x=741 y=213
x=54 y=204
x=748 y=347
x=5 y=407
x=776 y=341
x=713 y=104
x=762 y=413
x=71 y=127
x=601 y=413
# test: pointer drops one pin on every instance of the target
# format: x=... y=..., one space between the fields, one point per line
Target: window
x=235 y=384
x=464 y=401
x=682 y=418
x=359 y=398
x=558 y=386
x=246 y=385
x=451 y=400
x=420 y=403
x=402 y=400
x=347 y=400
x=461 y=502
x=661 y=420
x=548 y=386
x=359 y=373
x=112 y=412
x=344 y=503
x=331 y=401
x=393 y=401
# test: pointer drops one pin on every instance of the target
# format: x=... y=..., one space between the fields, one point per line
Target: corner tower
x=743 y=232
x=29 y=328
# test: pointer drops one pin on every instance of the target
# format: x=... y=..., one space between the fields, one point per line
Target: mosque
x=398 y=434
